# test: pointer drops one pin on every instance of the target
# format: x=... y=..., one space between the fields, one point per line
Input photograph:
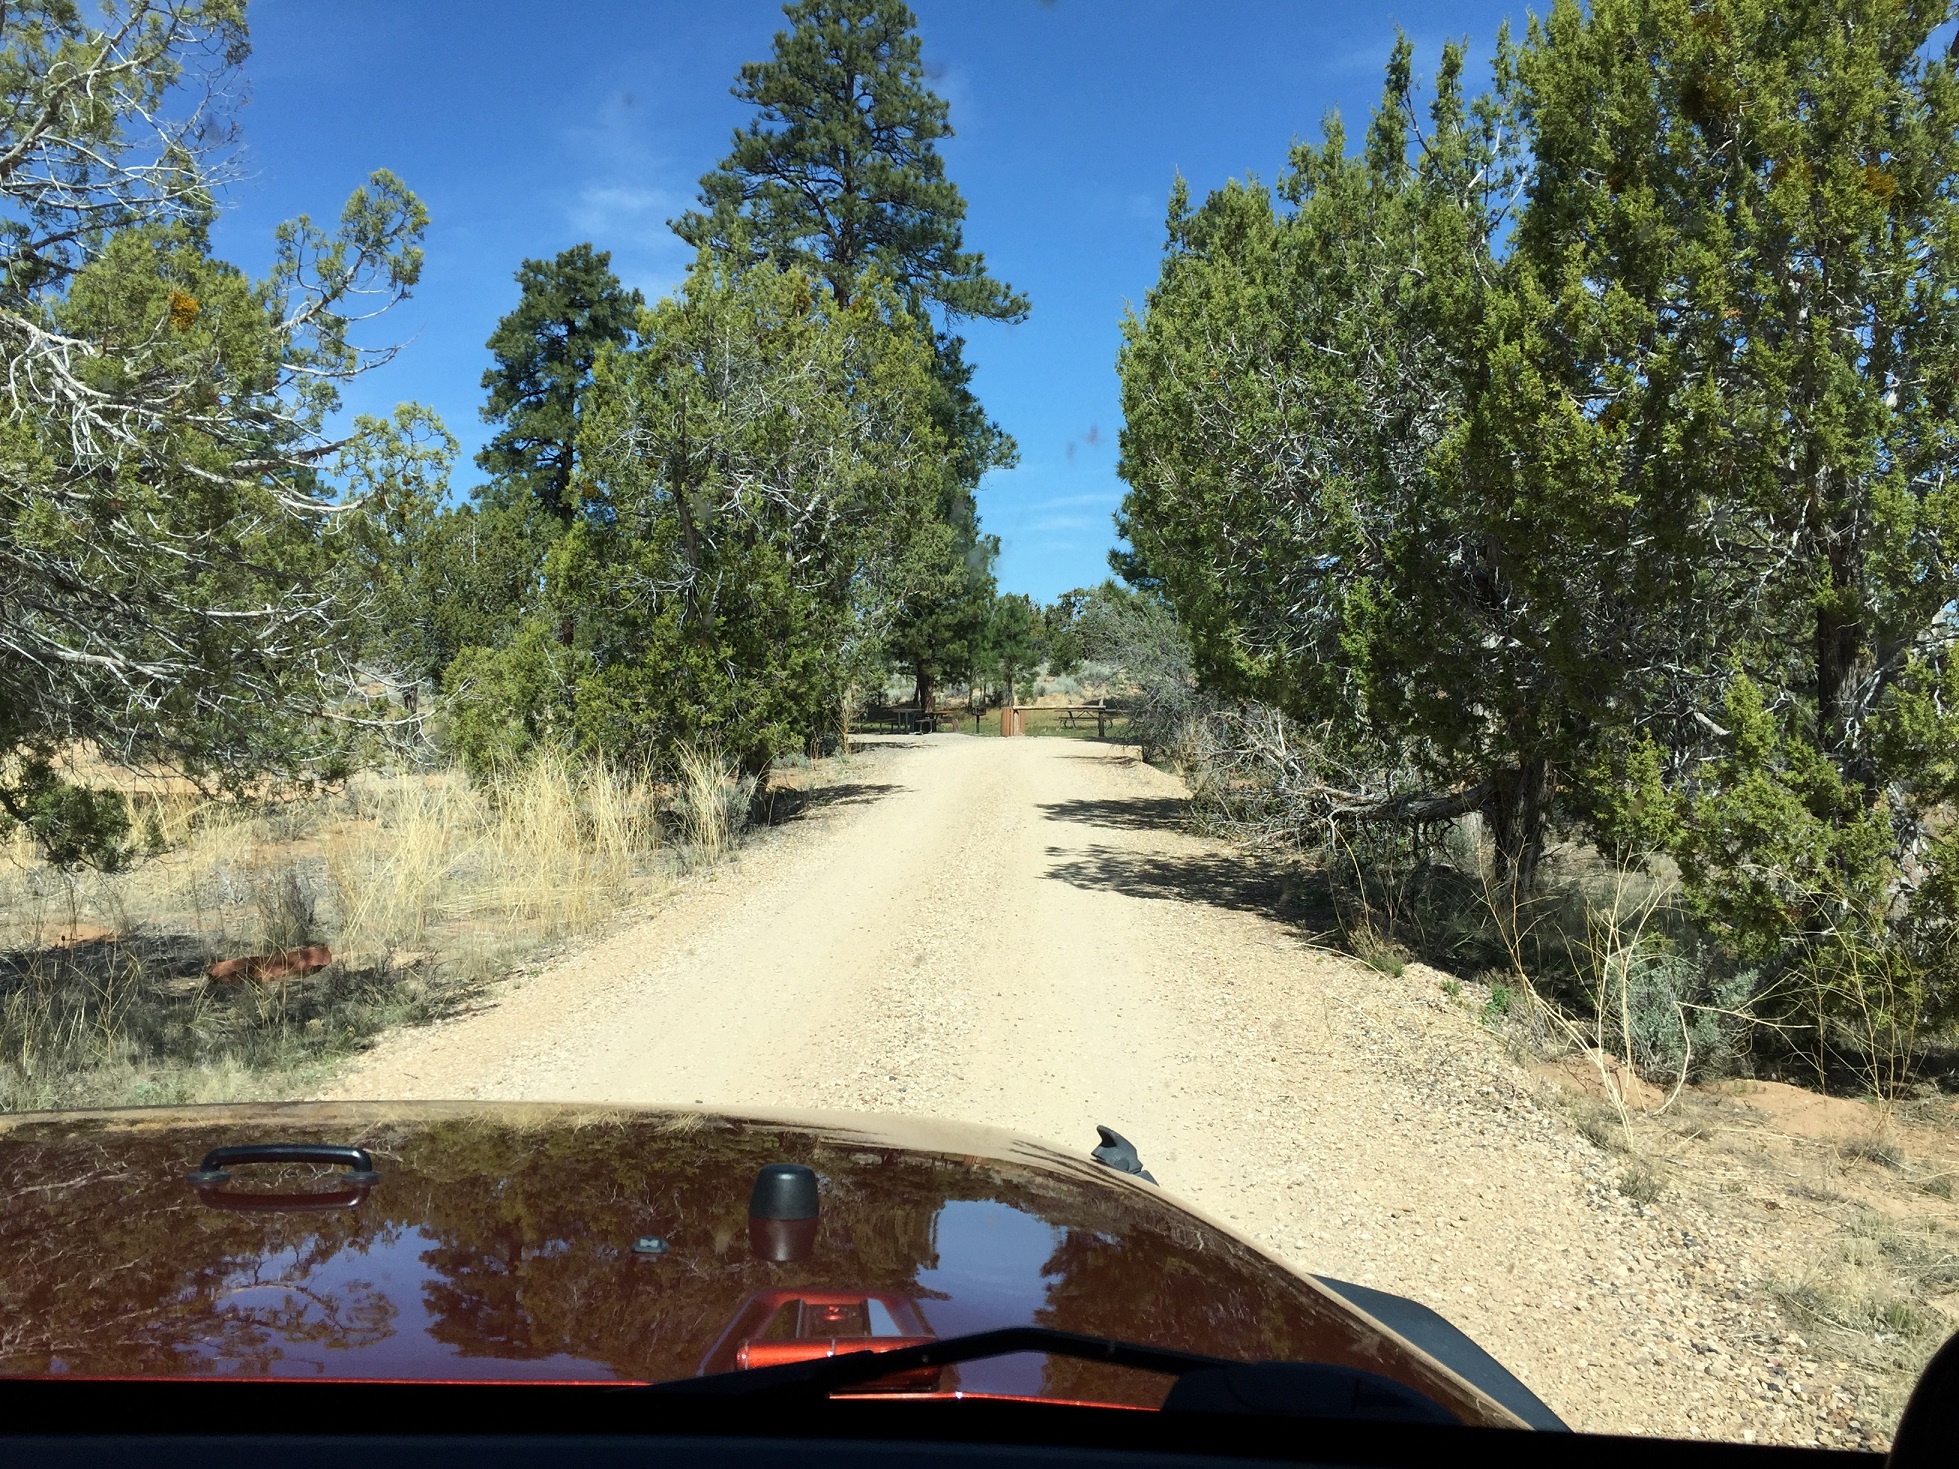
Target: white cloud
x=1110 y=498
x=620 y=208
x=621 y=192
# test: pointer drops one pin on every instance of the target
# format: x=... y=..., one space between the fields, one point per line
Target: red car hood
x=498 y=1243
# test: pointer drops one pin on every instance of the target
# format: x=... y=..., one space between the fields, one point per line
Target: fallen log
x=258 y=968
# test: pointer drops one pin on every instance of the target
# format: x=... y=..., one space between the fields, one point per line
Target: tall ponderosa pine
x=473 y=573
x=572 y=307
x=840 y=172
x=840 y=175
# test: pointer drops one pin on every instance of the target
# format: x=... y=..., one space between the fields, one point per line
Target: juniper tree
x=1737 y=322
x=1291 y=393
x=1638 y=515
x=756 y=470
x=168 y=584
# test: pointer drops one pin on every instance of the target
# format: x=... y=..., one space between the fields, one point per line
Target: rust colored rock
x=258 y=968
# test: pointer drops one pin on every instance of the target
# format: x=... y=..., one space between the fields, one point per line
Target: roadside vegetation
x=1540 y=538
x=1547 y=491
x=1539 y=527
x=279 y=696
x=424 y=886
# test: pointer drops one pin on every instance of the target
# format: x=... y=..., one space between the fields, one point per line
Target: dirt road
x=1019 y=932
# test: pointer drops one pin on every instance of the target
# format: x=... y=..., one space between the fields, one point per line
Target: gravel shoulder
x=1020 y=933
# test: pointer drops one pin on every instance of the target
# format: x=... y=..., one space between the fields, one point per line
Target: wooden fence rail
x=911 y=720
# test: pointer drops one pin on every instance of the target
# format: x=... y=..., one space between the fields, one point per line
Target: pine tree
x=478 y=568
x=840 y=174
x=939 y=627
x=572 y=307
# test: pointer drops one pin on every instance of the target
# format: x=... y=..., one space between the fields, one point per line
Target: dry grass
x=1871 y=1296
x=547 y=854
x=424 y=885
x=1828 y=1207
x=709 y=803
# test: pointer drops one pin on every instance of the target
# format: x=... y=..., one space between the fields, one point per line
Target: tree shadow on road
x=1105 y=753
x=780 y=804
x=1241 y=883
x=1129 y=813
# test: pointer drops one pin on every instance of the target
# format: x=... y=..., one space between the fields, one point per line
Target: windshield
x=1348 y=634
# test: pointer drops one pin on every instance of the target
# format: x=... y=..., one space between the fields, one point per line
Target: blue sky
x=527 y=128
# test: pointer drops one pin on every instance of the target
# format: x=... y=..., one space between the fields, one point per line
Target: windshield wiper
x=1204 y=1384
x=825 y=1375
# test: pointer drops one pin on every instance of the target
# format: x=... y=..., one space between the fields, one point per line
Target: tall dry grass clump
x=710 y=802
x=545 y=852
x=423 y=884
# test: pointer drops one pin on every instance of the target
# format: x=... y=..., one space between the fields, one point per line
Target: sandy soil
x=1019 y=932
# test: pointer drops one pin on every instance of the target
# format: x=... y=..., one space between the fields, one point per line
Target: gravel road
x=1020 y=933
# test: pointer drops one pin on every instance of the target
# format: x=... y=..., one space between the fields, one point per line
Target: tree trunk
x=1839 y=666
x=1519 y=810
x=1843 y=657
x=755 y=766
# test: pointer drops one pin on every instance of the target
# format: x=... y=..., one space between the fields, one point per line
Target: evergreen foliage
x=839 y=173
x=754 y=474
x=470 y=574
x=1013 y=629
x=1582 y=459
x=840 y=176
x=572 y=307
x=939 y=626
x=172 y=512
x=1764 y=392
x=1289 y=397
